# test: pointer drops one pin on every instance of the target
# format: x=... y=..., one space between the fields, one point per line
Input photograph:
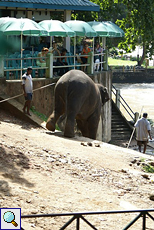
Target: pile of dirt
x=43 y=172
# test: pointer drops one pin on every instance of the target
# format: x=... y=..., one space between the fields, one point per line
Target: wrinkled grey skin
x=78 y=97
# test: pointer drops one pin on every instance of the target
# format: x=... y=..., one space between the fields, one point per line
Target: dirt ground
x=43 y=172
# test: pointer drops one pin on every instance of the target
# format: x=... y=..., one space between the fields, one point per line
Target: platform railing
x=119 y=100
x=19 y=64
x=142 y=214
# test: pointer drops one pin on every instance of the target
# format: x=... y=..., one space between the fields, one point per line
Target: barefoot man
x=28 y=89
x=143 y=128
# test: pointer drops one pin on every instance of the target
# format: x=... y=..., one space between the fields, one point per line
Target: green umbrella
x=57 y=28
x=81 y=28
x=21 y=26
x=100 y=28
x=113 y=29
x=117 y=28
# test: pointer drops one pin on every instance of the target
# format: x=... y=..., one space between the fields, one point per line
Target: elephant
x=78 y=98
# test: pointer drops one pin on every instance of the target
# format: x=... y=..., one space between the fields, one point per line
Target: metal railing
x=14 y=65
x=119 y=100
x=144 y=214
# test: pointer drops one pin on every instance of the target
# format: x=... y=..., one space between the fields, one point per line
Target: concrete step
x=16 y=108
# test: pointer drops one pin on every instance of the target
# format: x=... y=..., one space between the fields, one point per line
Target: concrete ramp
x=151 y=144
x=15 y=108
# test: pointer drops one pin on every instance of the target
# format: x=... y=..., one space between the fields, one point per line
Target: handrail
x=143 y=213
x=15 y=67
x=124 y=104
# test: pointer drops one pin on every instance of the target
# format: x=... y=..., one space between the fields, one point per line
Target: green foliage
x=40 y=115
x=119 y=62
x=138 y=26
x=142 y=159
x=151 y=121
x=148 y=168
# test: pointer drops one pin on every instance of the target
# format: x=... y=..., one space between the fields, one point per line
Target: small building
x=44 y=9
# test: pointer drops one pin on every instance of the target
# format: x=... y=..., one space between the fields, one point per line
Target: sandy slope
x=42 y=172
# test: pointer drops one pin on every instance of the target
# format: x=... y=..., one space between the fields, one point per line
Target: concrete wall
x=144 y=76
x=43 y=99
x=105 y=78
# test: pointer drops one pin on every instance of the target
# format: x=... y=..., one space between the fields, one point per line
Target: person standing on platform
x=143 y=128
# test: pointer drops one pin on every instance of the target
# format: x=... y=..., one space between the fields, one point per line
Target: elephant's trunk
x=50 y=125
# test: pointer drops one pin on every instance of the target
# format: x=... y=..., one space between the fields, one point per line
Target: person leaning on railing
x=42 y=57
x=85 y=51
x=97 y=58
x=56 y=60
x=63 y=60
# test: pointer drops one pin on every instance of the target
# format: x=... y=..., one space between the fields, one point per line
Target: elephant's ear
x=104 y=94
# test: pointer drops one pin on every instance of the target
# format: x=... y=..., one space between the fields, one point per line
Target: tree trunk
x=140 y=62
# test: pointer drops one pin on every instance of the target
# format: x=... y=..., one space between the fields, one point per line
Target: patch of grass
x=40 y=115
x=148 y=168
x=142 y=159
x=119 y=62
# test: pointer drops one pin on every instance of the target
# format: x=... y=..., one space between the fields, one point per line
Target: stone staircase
x=120 y=128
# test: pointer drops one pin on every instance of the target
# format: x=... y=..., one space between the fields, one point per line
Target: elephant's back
x=74 y=76
x=75 y=80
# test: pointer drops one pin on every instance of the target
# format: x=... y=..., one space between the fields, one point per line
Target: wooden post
x=49 y=64
x=123 y=68
x=90 y=68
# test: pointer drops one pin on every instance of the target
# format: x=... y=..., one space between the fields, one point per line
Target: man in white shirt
x=143 y=128
x=28 y=89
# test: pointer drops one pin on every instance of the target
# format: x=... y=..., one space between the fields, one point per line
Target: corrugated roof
x=52 y=4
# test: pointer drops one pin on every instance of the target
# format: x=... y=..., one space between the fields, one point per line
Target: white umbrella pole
x=74 y=50
x=50 y=41
x=102 y=54
x=21 y=58
x=93 y=63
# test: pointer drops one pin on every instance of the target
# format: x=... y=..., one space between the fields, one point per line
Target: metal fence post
x=144 y=221
x=118 y=98
x=78 y=223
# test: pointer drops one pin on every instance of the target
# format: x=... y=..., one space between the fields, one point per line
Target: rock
x=151 y=163
x=123 y=170
x=151 y=197
x=97 y=145
x=145 y=176
x=83 y=143
x=133 y=161
x=36 y=192
x=28 y=201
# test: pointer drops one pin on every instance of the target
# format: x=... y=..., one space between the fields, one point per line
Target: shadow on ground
x=12 y=165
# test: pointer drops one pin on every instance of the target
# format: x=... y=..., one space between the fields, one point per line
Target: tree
x=135 y=17
x=138 y=26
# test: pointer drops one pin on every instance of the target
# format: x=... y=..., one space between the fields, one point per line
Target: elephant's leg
x=93 y=122
x=83 y=126
x=73 y=107
x=58 y=111
x=69 y=126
